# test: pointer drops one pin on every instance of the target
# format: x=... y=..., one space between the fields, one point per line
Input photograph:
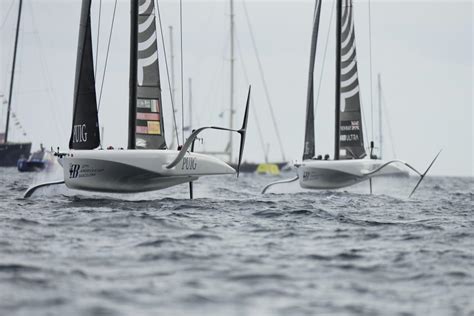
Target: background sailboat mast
x=173 y=88
x=10 y=95
x=231 y=114
x=379 y=80
x=190 y=126
x=338 y=77
x=133 y=73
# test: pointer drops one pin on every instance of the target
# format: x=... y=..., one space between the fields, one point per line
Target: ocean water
x=233 y=251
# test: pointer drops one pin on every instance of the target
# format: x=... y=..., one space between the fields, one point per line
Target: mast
x=172 y=64
x=379 y=80
x=10 y=96
x=190 y=82
x=172 y=81
x=338 y=77
x=133 y=72
x=309 y=146
x=231 y=115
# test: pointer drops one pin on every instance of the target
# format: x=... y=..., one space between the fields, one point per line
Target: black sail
x=351 y=138
x=309 y=143
x=146 y=130
x=85 y=126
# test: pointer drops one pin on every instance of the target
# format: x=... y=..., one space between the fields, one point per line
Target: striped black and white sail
x=85 y=126
x=146 y=108
x=309 y=145
x=350 y=131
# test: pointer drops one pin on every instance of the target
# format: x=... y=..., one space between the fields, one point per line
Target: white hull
x=129 y=171
x=334 y=174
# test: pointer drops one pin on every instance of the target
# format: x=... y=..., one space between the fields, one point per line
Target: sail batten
x=146 y=130
x=85 y=130
x=351 y=141
x=309 y=139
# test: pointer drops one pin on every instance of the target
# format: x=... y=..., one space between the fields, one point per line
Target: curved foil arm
x=279 y=182
x=190 y=141
x=242 y=131
x=32 y=189
x=422 y=175
x=369 y=173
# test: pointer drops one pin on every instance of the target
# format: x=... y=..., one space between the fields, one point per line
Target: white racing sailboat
x=350 y=164
x=147 y=164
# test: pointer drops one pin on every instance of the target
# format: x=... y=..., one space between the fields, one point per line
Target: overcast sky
x=422 y=49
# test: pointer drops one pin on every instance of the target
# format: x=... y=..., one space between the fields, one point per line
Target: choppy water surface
x=232 y=251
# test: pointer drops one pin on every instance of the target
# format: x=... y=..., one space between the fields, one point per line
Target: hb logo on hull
x=306 y=175
x=74 y=171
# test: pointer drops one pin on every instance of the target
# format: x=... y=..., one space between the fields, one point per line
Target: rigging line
x=54 y=103
x=172 y=85
x=254 y=111
x=211 y=95
x=324 y=57
x=365 y=136
x=181 y=55
x=364 y=127
x=362 y=107
x=7 y=74
x=3 y=97
x=107 y=56
x=371 y=84
x=18 y=90
x=8 y=13
x=205 y=28
x=386 y=116
x=265 y=88
x=167 y=71
x=98 y=39
x=206 y=21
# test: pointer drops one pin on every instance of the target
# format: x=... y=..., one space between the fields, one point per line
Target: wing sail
x=351 y=140
x=85 y=127
x=146 y=130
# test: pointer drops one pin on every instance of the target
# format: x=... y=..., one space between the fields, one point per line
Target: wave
x=18 y=267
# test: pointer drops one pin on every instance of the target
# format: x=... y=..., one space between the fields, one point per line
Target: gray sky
x=423 y=50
